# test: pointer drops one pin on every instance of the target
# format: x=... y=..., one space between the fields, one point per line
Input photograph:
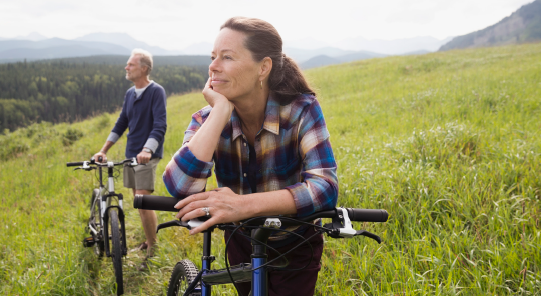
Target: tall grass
x=448 y=143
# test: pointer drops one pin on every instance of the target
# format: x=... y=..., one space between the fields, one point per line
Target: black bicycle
x=106 y=222
x=187 y=280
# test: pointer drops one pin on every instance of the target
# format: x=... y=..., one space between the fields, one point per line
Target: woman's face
x=233 y=72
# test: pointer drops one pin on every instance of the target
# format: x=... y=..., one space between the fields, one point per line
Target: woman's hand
x=213 y=97
x=224 y=207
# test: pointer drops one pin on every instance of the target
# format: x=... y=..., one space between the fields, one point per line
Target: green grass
x=448 y=143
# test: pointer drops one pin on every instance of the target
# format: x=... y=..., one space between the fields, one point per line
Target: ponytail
x=286 y=81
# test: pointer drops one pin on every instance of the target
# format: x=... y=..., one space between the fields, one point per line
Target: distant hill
x=319 y=61
x=201 y=48
x=51 y=52
x=17 y=49
x=393 y=47
x=303 y=55
x=179 y=60
x=524 y=25
x=126 y=41
x=324 y=60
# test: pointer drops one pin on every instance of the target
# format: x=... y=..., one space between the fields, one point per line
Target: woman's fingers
x=194 y=197
x=208 y=84
x=220 y=204
x=192 y=210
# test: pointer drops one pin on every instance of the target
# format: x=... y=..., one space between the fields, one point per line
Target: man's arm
x=159 y=126
x=120 y=126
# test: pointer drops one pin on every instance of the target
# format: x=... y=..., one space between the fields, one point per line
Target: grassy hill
x=448 y=142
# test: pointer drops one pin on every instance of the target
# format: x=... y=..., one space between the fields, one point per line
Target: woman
x=265 y=133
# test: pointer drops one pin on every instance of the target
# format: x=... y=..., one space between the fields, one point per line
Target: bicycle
x=187 y=280
x=106 y=222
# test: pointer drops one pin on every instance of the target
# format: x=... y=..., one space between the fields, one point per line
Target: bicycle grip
x=70 y=164
x=367 y=215
x=155 y=202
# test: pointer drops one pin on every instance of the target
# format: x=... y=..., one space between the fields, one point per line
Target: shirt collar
x=271 y=122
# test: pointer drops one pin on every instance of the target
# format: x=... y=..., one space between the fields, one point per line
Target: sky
x=176 y=24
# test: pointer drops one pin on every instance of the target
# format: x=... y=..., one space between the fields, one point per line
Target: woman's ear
x=265 y=68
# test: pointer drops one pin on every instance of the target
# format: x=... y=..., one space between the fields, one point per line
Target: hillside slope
x=448 y=143
x=524 y=25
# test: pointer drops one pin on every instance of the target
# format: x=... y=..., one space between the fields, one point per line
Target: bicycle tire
x=95 y=194
x=116 y=251
x=182 y=276
x=95 y=221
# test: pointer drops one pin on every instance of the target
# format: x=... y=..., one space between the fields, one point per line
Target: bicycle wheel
x=95 y=222
x=182 y=276
x=95 y=194
x=116 y=250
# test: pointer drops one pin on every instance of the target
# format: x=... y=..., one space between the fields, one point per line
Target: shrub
x=70 y=136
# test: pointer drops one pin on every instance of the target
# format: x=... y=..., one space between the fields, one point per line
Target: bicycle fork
x=106 y=206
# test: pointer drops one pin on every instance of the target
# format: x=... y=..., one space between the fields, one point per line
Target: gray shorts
x=141 y=177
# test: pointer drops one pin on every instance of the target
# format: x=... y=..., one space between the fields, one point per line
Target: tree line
x=60 y=90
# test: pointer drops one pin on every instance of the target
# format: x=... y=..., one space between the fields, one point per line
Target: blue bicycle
x=187 y=280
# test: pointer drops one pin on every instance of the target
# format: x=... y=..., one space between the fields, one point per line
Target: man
x=143 y=113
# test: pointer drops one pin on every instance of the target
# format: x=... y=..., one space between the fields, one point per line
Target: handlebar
x=164 y=203
x=85 y=164
x=155 y=202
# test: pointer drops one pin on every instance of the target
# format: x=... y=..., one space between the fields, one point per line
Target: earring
x=261 y=84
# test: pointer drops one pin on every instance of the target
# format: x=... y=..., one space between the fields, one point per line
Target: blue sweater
x=145 y=117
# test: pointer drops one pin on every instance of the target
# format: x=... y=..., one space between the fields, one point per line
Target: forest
x=67 y=90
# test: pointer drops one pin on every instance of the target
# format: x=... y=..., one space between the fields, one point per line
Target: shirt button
x=245 y=175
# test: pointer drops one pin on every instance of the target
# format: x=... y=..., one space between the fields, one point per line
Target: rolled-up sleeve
x=185 y=174
x=319 y=189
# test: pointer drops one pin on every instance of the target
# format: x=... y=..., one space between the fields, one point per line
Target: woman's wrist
x=224 y=106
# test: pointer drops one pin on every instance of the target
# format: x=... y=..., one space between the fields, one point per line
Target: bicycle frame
x=105 y=206
x=255 y=273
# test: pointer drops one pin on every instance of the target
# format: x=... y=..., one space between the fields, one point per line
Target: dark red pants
x=282 y=283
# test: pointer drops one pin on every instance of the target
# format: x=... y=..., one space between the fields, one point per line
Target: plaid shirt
x=292 y=149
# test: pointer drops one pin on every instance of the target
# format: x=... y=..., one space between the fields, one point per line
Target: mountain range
x=307 y=52
x=522 y=26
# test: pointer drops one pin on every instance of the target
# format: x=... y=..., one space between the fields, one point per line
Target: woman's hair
x=286 y=80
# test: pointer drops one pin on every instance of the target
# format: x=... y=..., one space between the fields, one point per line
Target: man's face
x=134 y=71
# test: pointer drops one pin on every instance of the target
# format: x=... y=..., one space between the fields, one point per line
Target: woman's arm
x=204 y=142
x=188 y=170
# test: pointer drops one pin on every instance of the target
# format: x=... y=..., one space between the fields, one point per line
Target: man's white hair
x=145 y=60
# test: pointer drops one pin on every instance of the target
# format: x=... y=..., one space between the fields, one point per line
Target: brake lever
x=171 y=224
x=369 y=234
